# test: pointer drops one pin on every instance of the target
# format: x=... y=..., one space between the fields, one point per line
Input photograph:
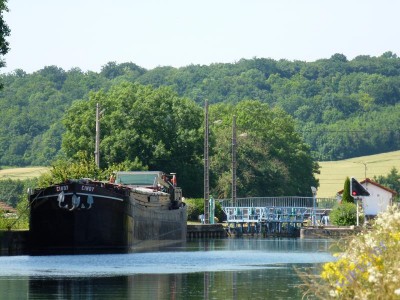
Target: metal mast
x=234 y=161
x=97 y=145
x=206 y=167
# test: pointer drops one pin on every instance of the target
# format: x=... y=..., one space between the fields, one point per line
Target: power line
x=352 y=131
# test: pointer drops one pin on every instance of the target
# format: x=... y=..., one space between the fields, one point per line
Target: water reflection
x=256 y=244
x=259 y=284
x=219 y=269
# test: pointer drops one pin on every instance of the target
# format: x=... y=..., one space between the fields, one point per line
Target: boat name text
x=87 y=188
x=62 y=188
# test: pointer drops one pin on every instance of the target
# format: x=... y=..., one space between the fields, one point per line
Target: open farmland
x=22 y=173
x=334 y=173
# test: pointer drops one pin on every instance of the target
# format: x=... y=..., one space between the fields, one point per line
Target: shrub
x=195 y=207
x=345 y=214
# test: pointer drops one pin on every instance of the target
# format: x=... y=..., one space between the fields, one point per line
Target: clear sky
x=150 y=33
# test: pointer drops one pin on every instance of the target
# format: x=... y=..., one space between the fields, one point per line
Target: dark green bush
x=195 y=207
x=345 y=214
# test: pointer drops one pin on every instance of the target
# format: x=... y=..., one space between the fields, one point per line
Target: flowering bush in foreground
x=369 y=268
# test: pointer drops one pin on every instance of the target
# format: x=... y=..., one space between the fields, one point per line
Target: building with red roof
x=379 y=200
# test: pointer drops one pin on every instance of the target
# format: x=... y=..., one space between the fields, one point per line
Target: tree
x=4 y=32
x=113 y=70
x=152 y=127
x=391 y=180
x=346 y=198
x=271 y=157
x=54 y=74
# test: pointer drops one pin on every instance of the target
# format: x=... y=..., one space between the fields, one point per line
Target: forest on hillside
x=342 y=108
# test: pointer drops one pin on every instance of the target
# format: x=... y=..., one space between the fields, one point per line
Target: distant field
x=22 y=173
x=334 y=173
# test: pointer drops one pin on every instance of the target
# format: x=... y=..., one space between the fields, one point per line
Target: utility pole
x=314 y=212
x=234 y=161
x=206 y=167
x=97 y=145
x=365 y=169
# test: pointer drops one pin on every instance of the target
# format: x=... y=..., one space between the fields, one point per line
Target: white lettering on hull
x=61 y=188
x=87 y=188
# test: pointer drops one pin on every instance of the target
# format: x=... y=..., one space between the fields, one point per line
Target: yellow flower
x=395 y=236
x=370 y=266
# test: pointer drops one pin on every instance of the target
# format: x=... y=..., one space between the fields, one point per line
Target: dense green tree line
x=343 y=108
x=147 y=128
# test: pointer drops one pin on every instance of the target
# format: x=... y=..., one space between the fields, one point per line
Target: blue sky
x=89 y=33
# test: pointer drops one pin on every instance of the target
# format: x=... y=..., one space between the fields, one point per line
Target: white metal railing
x=266 y=214
x=289 y=201
x=271 y=214
x=276 y=209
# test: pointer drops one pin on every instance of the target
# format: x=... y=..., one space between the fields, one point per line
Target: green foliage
x=195 y=208
x=343 y=108
x=150 y=128
x=4 y=32
x=135 y=165
x=13 y=192
x=391 y=180
x=271 y=157
x=79 y=166
x=30 y=135
x=19 y=220
x=145 y=128
x=345 y=214
x=10 y=191
x=154 y=129
x=219 y=213
x=346 y=197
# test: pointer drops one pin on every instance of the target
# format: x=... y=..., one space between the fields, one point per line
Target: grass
x=22 y=173
x=334 y=173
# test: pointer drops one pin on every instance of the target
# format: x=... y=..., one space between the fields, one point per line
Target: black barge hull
x=94 y=217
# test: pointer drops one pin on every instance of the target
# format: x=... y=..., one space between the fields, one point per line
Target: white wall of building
x=378 y=201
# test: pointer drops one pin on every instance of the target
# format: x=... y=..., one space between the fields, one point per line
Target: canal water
x=202 y=269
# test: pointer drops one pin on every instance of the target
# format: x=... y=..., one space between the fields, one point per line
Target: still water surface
x=212 y=269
